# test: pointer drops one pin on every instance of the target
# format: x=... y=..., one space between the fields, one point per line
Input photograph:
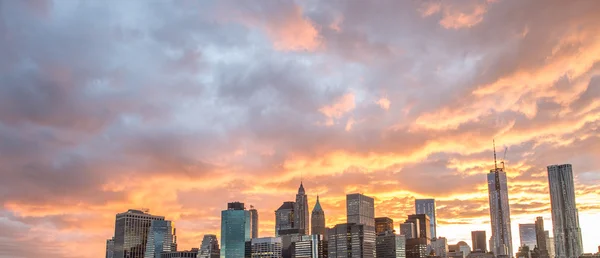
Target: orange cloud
x=341 y=106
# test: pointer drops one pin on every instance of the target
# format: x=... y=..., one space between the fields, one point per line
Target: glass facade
x=351 y=240
x=360 y=209
x=390 y=245
x=266 y=247
x=160 y=238
x=499 y=214
x=383 y=224
x=285 y=219
x=527 y=235
x=235 y=231
x=131 y=233
x=310 y=246
x=421 y=222
x=427 y=206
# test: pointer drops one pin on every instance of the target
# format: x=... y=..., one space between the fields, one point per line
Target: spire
x=301 y=189
x=317 y=206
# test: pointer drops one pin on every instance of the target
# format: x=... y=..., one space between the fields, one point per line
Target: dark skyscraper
x=285 y=219
x=422 y=220
x=347 y=241
x=131 y=233
x=499 y=212
x=479 y=241
x=427 y=206
x=317 y=220
x=527 y=235
x=390 y=245
x=565 y=217
x=301 y=211
x=383 y=224
x=253 y=222
x=235 y=230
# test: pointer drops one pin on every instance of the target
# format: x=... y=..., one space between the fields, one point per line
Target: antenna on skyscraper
x=495 y=164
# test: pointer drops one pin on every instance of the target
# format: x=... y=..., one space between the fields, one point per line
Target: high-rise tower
x=499 y=211
x=427 y=206
x=565 y=218
x=160 y=238
x=301 y=209
x=253 y=222
x=235 y=230
x=317 y=220
x=360 y=209
x=131 y=233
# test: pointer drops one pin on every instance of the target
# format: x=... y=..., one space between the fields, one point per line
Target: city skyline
x=179 y=107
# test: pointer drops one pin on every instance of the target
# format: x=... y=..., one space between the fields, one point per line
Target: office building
x=180 y=254
x=131 y=233
x=235 y=230
x=266 y=247
x=317 y=220
x=479 y=240
x=110 y=244
x=160 y=238
x=209 y=247
x=310 y=246
x=285 y=221
x=527 y=235
x=409 y=230
x=499 y=213
x=417 y=247
x=301 y=211
x=360 y=209
x=347 y=241
x=253 y=222
x=383 y=224
x=422 y=222
x=427 y=206
x=440 y=246
x=565 y=217
x=540 y=235
x=390 y=245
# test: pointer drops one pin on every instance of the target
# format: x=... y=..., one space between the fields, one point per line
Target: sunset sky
x=183 y=106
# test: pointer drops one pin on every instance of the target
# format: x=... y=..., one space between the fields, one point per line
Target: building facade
x=253 y=222
x=131 y=233
x=479 y=241
x=527 y=235
x=317 y=220
x=565 y=217
x=499 y=213
x=160 y=238
x=360 y=209
x=180 y=254
x=440 y=246
x=422 y=224
x=390 y=245
x=348 y=241
x=383 y=225
x=209 y=247
x=235 y=230
x=409 y=230
x=285 y=218
x=427 y=206
x=266 y=247
x=110 y=245
x=301 y=208
x=540 y=235
x=417 y=247
x=310 y=246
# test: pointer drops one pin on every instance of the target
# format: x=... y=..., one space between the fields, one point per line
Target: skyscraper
x=253 y=222
x=422 y=220
x=417 y=247
x=160 y=238
x=383 y=224
x=427 y=206
x=527 y=235
x=285 y=219
x=360 y=209
x=235 y=230
x=266 y=247
x=565 y=217
x=479 y=241
x=540 y=238
x=409 y=230
x=499 y=213
x=110 y=245
x=209 y=247
x=390 y=245
x=310 y=246
x=131 y=233
x=317 y=220
x=301 y=209
x=440 y=246
x=346 y=241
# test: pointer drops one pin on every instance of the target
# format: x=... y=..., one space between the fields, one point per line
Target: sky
x=182 y=106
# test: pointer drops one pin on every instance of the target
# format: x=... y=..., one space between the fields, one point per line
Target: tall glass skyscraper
x=360 y=209
x=209 y=247
x=501 y=243
x=285 y=219
x=565 y=217
x=427 y=206
x=317 y=220
x=301 y=209
x=235 y=230
x=160 y=238
x=348 y=240
x=131 y=233
x=527 y=235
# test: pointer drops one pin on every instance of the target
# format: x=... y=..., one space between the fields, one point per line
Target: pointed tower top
x=317 y=206
x=301 y=189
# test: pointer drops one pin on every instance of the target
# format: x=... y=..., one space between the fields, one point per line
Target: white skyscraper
x=565 y=219
x=501 y=242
